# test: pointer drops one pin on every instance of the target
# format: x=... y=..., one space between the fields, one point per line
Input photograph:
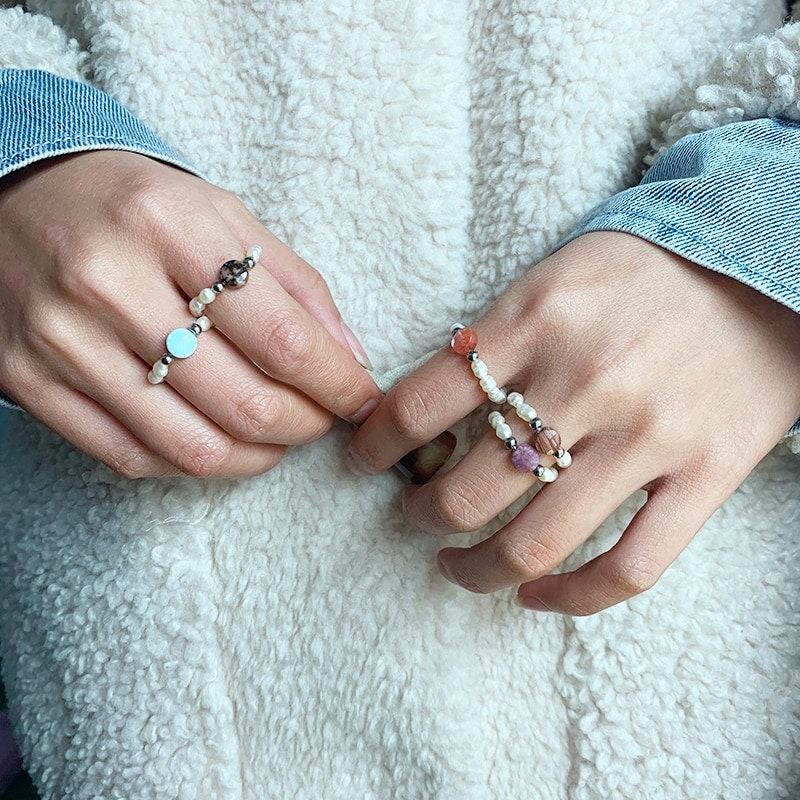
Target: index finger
x=427 y=402
x=281 y=337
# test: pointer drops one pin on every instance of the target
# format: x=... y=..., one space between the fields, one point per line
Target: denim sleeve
x=727 y=199
x=43 y=115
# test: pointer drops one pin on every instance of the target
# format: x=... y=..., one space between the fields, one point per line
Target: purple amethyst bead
x=525 y=458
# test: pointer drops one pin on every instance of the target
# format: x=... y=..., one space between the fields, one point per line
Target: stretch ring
x=546 y=441
x=182 y=342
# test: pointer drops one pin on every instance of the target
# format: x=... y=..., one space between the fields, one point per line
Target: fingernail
x=531 y=603
x=356 y=347
x=420 y=465
x=356 y=465
x=445 y=569
x=361 y=415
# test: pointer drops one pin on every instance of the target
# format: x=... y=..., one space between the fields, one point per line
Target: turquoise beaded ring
x=546 y=441
x=182 y=342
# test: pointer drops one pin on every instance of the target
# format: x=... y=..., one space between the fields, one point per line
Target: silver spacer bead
x=511 y=443
x=167 y=359
x=455 y=328
x=536 y=424
x=195 y=329
x=538 y=471
x=559 y=453
x=472 y=355
x=217 y=287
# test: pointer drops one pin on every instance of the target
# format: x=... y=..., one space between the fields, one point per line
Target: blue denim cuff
x=727 y=199
x=43 y=115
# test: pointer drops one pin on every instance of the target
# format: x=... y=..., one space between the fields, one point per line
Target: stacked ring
x=182 y=342
x=547 y=441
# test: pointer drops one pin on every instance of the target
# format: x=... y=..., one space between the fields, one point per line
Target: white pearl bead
x=153 y=378
x=515 y=399
x=204 y=323
x=526 y=412
x=254 y=252
x=207 y=296
x=479 y=369
x=548 y=475
x=495 y=418
x=503 y=431
x=497 y=396
x=160 y=370
x=565 y=460
x=488 y=384
x=457 y=327
x=196 y=307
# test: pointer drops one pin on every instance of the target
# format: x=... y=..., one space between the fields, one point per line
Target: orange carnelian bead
x=464 y=341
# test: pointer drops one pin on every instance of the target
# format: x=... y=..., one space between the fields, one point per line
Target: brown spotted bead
x=547 y=441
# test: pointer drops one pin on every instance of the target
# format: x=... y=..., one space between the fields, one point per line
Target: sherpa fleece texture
x=288 y=636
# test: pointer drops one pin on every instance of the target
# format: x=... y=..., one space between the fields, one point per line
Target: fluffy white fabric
x=288 y=636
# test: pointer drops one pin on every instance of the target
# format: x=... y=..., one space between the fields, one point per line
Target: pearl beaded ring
x=182 y=342
x=524 y=457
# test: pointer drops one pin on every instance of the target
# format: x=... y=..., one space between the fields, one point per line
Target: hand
x=657 y=373
x=101 y=253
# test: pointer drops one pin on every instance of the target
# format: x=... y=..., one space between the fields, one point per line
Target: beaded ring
x=547 y=441
x=182 y=342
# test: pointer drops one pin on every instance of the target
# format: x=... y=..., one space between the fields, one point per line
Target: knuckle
x=254 y=413
x=525 y=562
x=146 y=201
x=633 y=576
x=203 y=456
x=289 y=340
x=130 y=462
x=459 y=507
x=409 y=408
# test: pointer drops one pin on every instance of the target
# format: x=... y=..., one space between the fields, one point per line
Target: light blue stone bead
x=181 y=343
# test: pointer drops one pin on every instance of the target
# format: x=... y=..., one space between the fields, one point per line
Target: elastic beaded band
x=182 y=342
x=547 y=441
x=524 y=457
x=465 y=343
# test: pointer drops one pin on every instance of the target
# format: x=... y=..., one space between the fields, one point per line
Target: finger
x=429 y=400
x=275 y=332
x=164 y=421
x=655 y=537
x=304 y=283
x=218 y=380
x=561 y=516
x=89 y=427
x=481 y=485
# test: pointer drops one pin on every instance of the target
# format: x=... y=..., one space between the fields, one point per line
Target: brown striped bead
x=547 y=441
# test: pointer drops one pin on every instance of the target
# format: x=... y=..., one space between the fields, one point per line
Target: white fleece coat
x=289 y=636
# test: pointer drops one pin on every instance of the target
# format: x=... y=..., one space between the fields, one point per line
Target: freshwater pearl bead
x=515 y=399
x=488 y=384
x=503 y=431
x=154 y=379
x=497 y=395
x=526 y=412
x=495 y=418
x=565 y=460
x=160 y=369
x=548 y=474
x=204 y=323
x=479 y=369
x=196 y=307
x=207 y=296
x=254 y=252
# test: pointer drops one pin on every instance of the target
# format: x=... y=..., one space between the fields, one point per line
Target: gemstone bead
x=525 y=458
x=464 y=340
x=233 y=274
x=181 y=343
x=547 y=441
